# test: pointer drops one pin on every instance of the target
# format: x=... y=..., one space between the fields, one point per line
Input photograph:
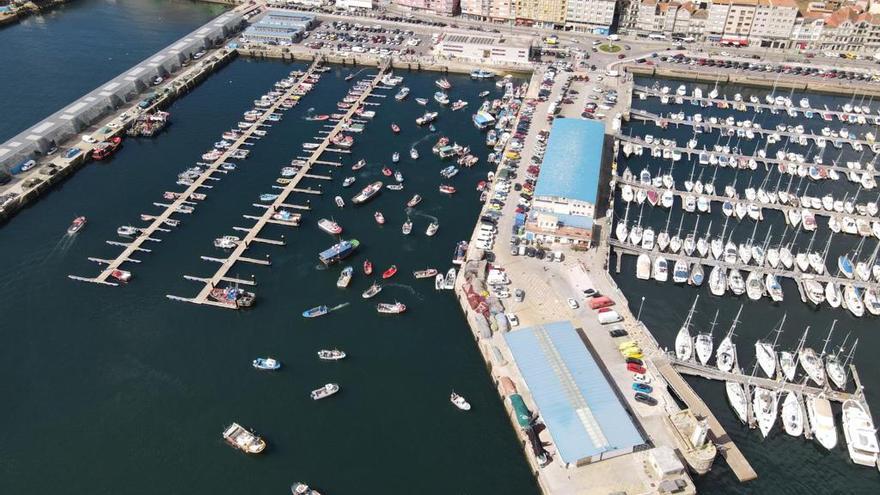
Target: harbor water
x=113 y=389
x=784 y=464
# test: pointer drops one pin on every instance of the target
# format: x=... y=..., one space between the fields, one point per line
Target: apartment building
x=441 y=7
x=669 y=17
x=850 y=30
x=595 y=16
x=774 y=22
x=540 y=12
x=476 y=9
x=766 y=23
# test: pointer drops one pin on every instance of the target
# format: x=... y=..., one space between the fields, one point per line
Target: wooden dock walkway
x=688 y=121
x=158 y=221
x=794 y=274
x=745 y=105
x=715 y=198
x=252 y=235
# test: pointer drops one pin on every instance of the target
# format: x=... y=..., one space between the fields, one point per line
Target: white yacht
x=643 y=267
x=717 y=281
x=738 y=398
x=684 y=345
x=661 y=269
x=822 y=421
x=861 y=437
x=765 y=406
x=812 y=365
x=703 y=343
x=725 y=356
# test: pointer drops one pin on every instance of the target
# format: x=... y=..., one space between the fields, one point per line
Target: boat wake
x=339 y=306
x=422 y=140
x=417 y=213
x=408 y=288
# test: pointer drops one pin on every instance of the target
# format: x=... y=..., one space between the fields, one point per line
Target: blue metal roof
x=572 y=160
x=575 y=400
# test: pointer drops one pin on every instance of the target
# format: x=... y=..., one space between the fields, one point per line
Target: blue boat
x=846 y=266
x=483 y=119
x=316 y=311
x=338 y=251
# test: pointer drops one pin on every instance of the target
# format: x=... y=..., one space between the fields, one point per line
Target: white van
x=609 y=317
x=613 y=37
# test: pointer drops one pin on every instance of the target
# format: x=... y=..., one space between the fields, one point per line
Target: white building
x=595 y=16
x=490 y=49
x=355 y=4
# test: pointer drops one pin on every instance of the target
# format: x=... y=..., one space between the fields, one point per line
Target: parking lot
x=354 y=37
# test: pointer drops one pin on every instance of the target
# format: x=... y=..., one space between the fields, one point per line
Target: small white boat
x=459 y=402
x=331 y=354
x=325 y=391
x=266 y=364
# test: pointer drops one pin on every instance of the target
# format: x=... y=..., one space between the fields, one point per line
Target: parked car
x=645 y=399
x=617 y=332
x=642 y=387
x=635 y=368
x=519 y=294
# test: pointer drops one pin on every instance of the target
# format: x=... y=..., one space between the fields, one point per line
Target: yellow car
x=628 y=343
x=636 y=355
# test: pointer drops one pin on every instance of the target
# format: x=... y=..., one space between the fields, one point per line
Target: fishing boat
x=121 y=275
x=426 y=118
x=266 y=364
x=822 y=421
x=348 y=181
x=446 y=189
x=414 y=153
x=398 y=176
x=432 y=229
x=395 y=157
x=105 y=149
x=242 y=439
x=331 y=354
x=459 y=402
x=416 y=199
x=449 y=172
x=371 y=291
x=316 y=311
x=329 y=226
x=483 y=94
x=319 y=118
x=359 y=164
x=395 y=128
x=233 y=296
x=368 y=267
x=367 y=193
x=765 y=404
x=860 y=434
x=458 y=105
x=389 y=308
x=338 y=251
x=380 y=219
x=345 y=277
x=402 y=94
x=325 y=391
x=389 y=272
x=443 y=83
x=422 y=101
x=441 y=98
x=75 y=226
x=792 y=415
x=684 y=345
x=426 y=273
x=407 y=227
x=387 y=172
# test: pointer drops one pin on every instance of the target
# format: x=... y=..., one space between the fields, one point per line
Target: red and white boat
x=387 y=308
x=121 y=275
x=387 y=172
x=481 y=186
x=329 y=226
x=416 y=199
x=321 y=117
x=426 y=273
x=446 y=189
x=368 y=268
x=389 y=272
x=107 y=148
x=395 y=128
x=76 y=225
x=380 y=218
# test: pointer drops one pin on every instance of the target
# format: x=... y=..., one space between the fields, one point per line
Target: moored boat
x=426 y=273
x=329 y=226
x=242 y=439
x=338 y=251
x=345 y=277
x=389 y=272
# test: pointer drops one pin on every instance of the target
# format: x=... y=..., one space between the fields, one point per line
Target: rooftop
x=573 y=396
x=572 y=160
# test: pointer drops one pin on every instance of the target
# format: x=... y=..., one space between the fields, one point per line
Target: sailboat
x=836 y=369
x=738 y=398
x=717 y=281
x=765 y=405
x=684 y=346
x=725 y=356
x=675 y=241
x=697 y=275
x=703 y=343
x=621 y=230
x=663 y=236
x=788 y=361
x=812 y=365
x=766 y=352
x=792 y=416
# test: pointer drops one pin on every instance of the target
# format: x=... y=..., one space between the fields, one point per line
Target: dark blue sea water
x=113 y=390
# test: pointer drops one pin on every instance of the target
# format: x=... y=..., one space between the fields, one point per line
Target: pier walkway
x=161 y=220
x=784 y=209
x=688 y=121
x=253 y=233
x=741 y=159
x=743 y=105
x=794 y=274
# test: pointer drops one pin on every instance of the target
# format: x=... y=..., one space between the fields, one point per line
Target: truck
x=609 y=317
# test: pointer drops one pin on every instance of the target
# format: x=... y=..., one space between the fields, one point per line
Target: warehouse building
x=487 y=49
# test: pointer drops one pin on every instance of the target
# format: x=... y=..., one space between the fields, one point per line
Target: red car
x=636 y=368
x=604 y=310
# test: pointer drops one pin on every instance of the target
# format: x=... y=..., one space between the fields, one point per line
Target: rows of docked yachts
x=800 y=411
x=796 y=187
